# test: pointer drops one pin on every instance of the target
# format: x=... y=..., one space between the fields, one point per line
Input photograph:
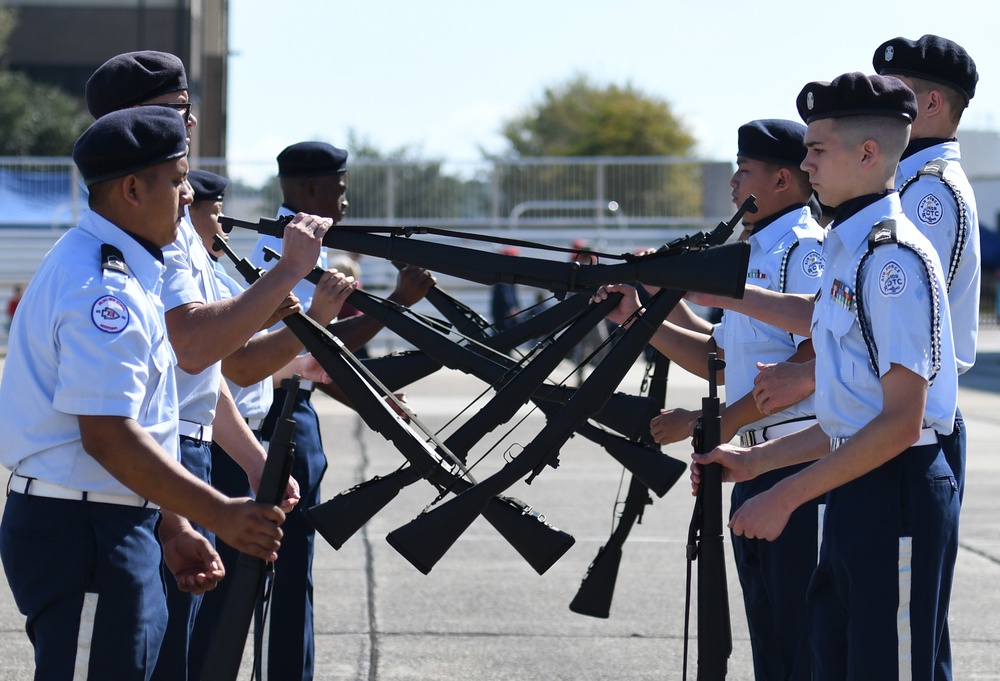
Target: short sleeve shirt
x=931 y=205
x=253 y=401
x=190 y=278
x=87 y=340
x=907 y=327
x=785 y=256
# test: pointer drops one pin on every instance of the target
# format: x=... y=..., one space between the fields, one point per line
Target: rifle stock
x=598 y=586
x=225 y=652
x=337 y=519
x=539 y=543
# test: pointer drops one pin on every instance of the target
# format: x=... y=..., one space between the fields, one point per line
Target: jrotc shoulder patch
x=110 y=314
x=892 y=280
x=813 y=264
x=929 y=210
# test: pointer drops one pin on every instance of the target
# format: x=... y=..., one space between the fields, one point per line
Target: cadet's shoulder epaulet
x=112 y=259
x=935 y=168
x=883 y=233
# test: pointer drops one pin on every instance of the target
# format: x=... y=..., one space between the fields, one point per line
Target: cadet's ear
x=129 y=189
x=935 y=103
x=870 y=153
x=783 y=179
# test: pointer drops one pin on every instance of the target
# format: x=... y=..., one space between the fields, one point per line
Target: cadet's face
x=166 y=193
x=752 y=177
x=205 y=218
x=331 y=193
x=177 y=101
x=830 y=164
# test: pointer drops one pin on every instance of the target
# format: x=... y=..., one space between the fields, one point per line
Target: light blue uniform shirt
x=304 y=290
x=932 y=208
x=746 y=340
x=898 y=300
x=253 y=401
x=86 y=341
x=190 y=278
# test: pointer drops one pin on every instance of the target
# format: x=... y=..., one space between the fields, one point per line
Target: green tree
x=580 y=118
x=35 y=120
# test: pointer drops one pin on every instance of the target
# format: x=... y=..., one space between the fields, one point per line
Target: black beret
x=855 y=94
x=773 y=140
x=207 y=186
x=133 y=78
x=931 y=58
x=311 y=158
x=127 y=141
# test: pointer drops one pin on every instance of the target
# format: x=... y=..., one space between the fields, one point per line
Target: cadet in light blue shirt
x=202 y=329
x=91 y=423
x=886 y=386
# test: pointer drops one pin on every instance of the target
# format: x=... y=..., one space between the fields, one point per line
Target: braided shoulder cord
x=936 y=169
x=885 y=233
x=784 y=266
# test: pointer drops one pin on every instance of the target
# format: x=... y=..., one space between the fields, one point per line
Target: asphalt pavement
x=483 y=613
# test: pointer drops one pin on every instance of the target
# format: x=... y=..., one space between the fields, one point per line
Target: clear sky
x=442 y=76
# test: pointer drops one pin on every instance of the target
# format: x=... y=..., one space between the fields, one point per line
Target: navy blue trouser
x=230 y=479
x=774 y=576
x=879 y=598
x=87 y=576
x=291 y=642
x=196 y=457
x=954 y=446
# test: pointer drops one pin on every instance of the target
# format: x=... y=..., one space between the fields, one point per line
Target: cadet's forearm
x=204 y=333
x=740 y=413
x=261 y=357
x=688 y=349
x=683 y=316
x=788 y=311
x=136 y=460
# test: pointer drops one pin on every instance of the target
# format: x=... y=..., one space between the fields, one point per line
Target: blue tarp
x=38 y=199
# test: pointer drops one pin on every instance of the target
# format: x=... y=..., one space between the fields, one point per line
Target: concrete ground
x=482 y=613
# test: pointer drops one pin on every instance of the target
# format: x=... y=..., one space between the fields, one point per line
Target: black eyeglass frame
x=183 y=108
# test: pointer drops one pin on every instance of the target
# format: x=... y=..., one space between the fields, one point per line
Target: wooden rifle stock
x=225 y=653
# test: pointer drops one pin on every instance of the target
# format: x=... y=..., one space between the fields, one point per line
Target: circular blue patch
x=813 y=264
x=109 y=314
x=929 y=210
x=892 y=279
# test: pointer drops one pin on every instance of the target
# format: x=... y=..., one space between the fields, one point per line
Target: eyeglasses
x=183 y=108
